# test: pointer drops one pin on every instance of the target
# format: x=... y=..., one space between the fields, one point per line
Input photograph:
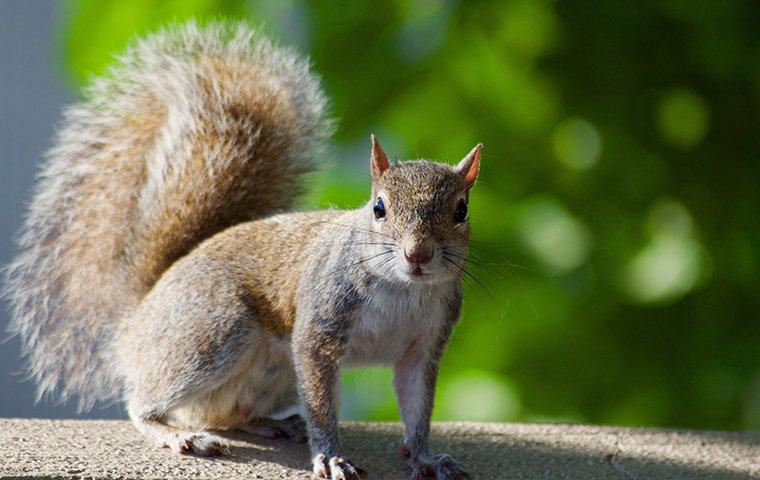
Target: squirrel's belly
x=262 y=386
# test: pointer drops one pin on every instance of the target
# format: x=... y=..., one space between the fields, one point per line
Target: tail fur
x=194 y=130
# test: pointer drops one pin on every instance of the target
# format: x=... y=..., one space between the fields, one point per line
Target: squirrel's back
x=194 y=130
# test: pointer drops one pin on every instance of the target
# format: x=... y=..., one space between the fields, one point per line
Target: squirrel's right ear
x=469 y=166
x=378 y=159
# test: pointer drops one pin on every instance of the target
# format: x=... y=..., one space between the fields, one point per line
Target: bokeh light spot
x=673 y=261
x=528 y=28
x=577 y=143
x=682 y=118
x=556 y=238
x=477 y=395
x=671 y=216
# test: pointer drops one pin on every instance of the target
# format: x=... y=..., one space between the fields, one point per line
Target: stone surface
x=113 y=449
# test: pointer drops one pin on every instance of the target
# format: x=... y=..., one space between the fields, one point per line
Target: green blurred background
x=616 y=221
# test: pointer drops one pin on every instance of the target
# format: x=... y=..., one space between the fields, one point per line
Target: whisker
x=448 y=269
x=476 y=279
x=477 y=259
x=386 y=252
x=490 y=269
x=389 y=263
x=361 y=229
x=511 y=276
x=475 y=249
x=467 y=280
x=358 y=243
x=520 y=286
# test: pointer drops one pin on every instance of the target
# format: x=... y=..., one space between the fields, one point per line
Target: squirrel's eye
x=379 y=208
x=460 y=214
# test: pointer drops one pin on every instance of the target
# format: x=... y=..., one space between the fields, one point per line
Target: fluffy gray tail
x=194 y=130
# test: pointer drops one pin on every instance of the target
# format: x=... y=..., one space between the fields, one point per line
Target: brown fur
x=271 y=271
x=195 y=130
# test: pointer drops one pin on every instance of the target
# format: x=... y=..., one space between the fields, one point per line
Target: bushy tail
x=194 y=130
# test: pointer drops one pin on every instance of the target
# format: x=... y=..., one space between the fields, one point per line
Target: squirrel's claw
x=439 y=467
x=200 y=444
x=336 y=468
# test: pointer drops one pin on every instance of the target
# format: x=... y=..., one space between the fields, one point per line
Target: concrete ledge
x=113 y=449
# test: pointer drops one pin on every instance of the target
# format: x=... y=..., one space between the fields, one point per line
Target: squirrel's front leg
x=317 y=350
x=415 y=376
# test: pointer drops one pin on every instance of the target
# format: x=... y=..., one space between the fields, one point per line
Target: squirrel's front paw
x=336 y=468
x=439 y=467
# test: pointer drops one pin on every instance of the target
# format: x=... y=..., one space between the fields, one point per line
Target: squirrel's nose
x=419 y=254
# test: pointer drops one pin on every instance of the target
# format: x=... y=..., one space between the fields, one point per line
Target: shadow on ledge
x=572 y=455
x=104 y=449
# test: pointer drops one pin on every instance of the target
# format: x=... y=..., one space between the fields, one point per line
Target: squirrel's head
x=420 y=210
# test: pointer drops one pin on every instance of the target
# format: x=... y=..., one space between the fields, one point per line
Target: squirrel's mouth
x=415 y=270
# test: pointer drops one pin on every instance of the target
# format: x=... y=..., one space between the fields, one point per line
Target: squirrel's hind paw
x=292 y=428
x=202 y=444
x=440 y=467
x=336 y=468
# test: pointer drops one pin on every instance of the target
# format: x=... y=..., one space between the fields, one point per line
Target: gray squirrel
x=156 y=265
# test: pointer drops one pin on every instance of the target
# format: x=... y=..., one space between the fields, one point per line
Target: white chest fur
x=391 y=319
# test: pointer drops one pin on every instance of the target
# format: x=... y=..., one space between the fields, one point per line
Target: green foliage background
x=616 y=221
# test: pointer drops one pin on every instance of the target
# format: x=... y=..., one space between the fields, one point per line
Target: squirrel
x=161 y=263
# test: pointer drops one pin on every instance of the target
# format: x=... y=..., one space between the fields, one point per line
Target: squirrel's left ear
x=469 y=166
x=378 y=160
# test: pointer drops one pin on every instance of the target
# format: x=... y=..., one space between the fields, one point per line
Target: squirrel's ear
x=469 y=166
x=378 y=160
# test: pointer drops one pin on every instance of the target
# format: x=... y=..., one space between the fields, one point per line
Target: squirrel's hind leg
x=182 y=441
x=292 y=428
